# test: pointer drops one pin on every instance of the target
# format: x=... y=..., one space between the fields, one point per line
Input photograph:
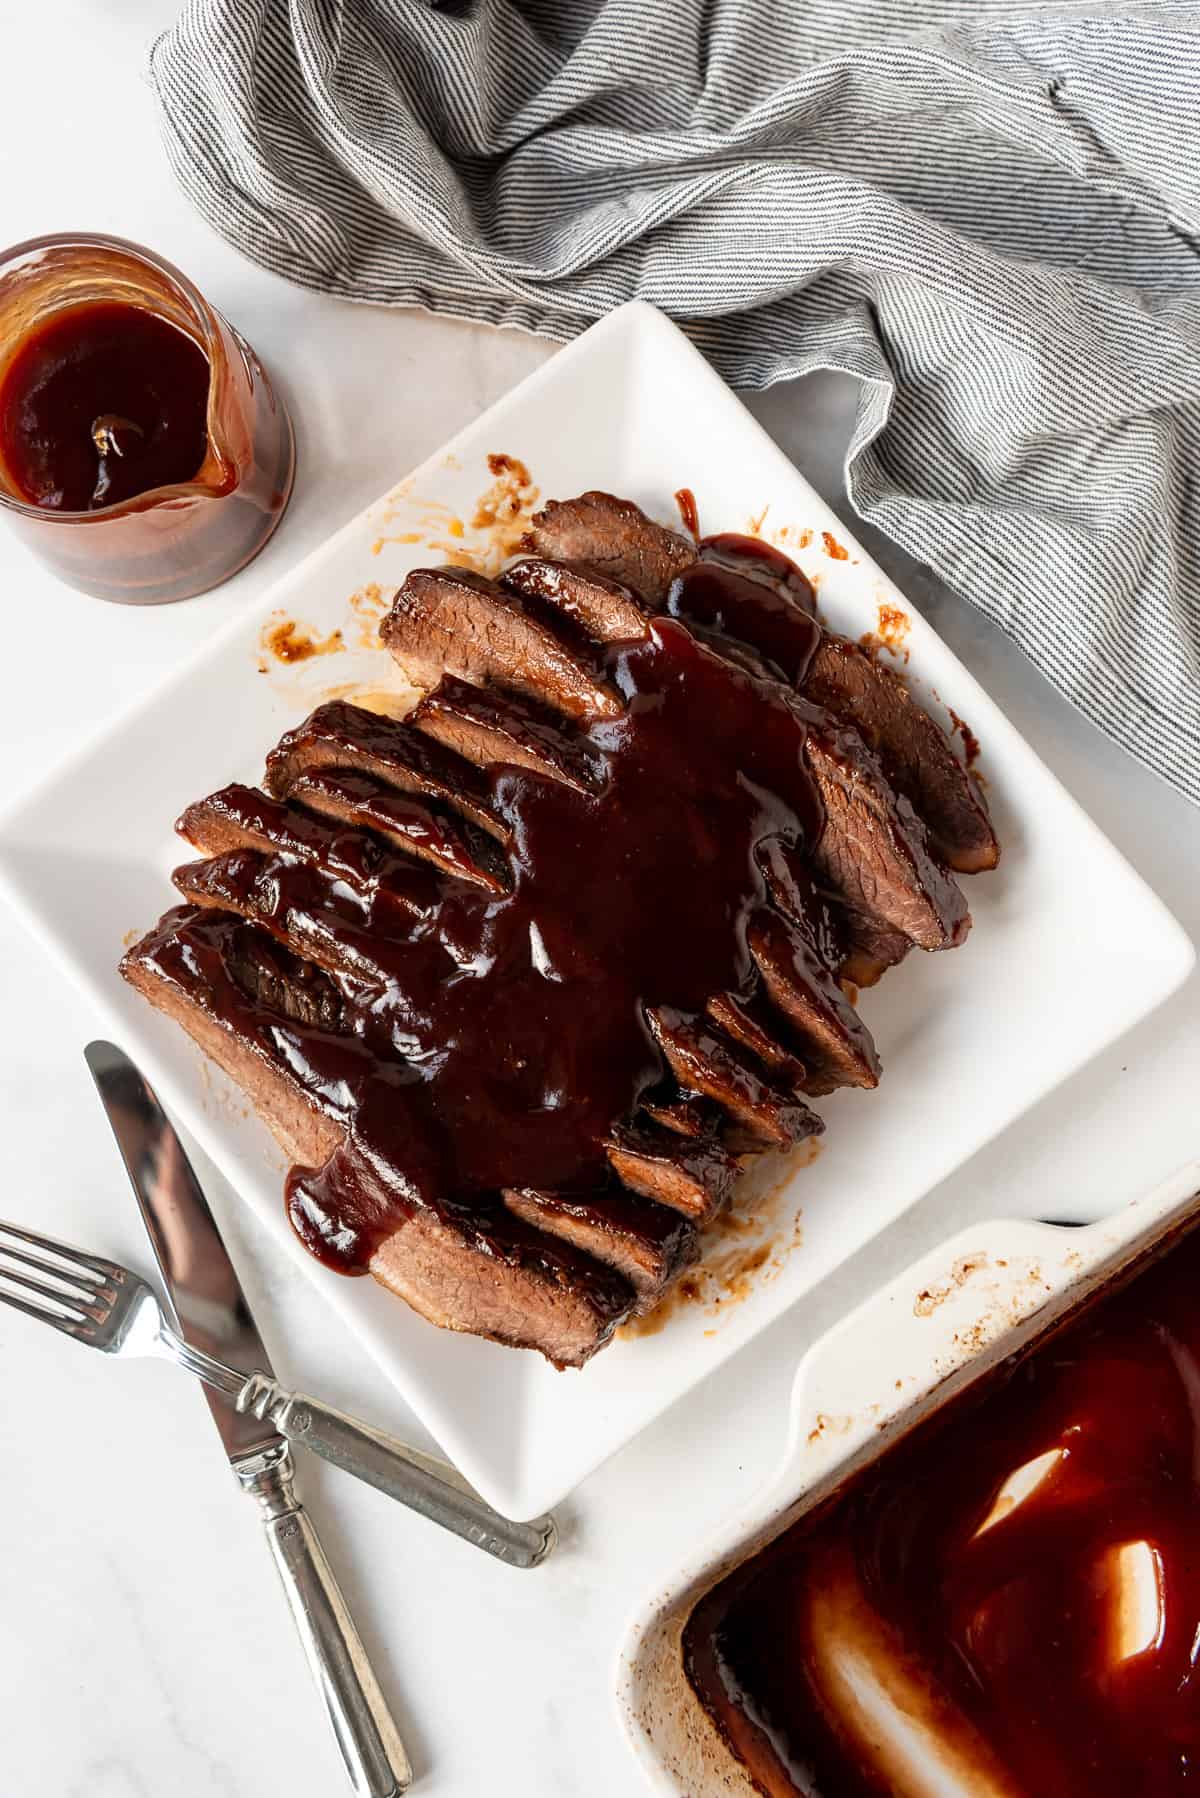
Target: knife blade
x=210 y=1310
x=202 y=1290
x=206 y=1302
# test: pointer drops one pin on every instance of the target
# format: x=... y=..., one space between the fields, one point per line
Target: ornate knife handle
x=370 y=1744
x=422 y=1482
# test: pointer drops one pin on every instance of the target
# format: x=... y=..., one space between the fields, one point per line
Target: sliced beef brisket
x=494 y=730
x=648 y=1244
x=874 y=852
x=308 y=912
x=835 y=1044
x=704 y=1062
x=603 y=609
x=917 y=756
x=466 y=1267
x=239 y=817
x=414 y=1101
x=390 y=751
x=452 y=621
x=614 y=537
x=694 y=1175
x=423 y=828
x=205 y=970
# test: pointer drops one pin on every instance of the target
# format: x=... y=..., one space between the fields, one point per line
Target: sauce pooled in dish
x=1007 y=1604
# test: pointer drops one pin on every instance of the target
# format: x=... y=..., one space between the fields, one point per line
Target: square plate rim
x=522 y=1496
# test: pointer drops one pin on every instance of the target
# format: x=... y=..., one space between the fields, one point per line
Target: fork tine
x=70 y=1326
x=68 y=1300
x=76 y=1287
x=92 y=1264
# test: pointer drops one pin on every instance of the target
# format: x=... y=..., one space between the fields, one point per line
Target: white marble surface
x=144 y=1648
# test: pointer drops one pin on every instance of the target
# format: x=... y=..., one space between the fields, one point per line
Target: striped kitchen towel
x=988 y=212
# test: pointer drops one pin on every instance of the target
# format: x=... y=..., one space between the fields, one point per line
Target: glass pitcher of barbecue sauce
x=144 y=455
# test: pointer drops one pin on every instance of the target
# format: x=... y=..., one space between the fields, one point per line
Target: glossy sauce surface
x=100 y=403
x=1011 y=1596
x=744 y=588
x=498 y=1035
x=513 y=1026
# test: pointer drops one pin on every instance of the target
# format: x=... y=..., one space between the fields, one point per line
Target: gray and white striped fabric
x=987 y=212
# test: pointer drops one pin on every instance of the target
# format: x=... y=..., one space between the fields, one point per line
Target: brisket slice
x=304 y=910
x=692 y=1175
x=683 y=1113
x=771 y=567
x=916 y=754
x=205 y=971
x=704 y=1062
x=489 y=1273
x=614 y=537
x=603 y=609
x=241 y=817
x=423 y=828
x=794 y=894
x=346 y=736
x=747 y=1023
x=452 y=621
x=648 y=1244
x=871 y=949
x=873 y=852
x=856 y=948
x=832 y=1039
x=495 y=730
x=472 y=1268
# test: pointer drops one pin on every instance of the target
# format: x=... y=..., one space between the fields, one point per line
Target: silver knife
x=203 y=1286
x=211 y=1313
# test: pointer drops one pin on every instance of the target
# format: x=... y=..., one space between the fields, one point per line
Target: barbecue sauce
x=743 y=588
x=499 y=1035
x=1021 y=1575
x=521 y=1017
x=100 y=403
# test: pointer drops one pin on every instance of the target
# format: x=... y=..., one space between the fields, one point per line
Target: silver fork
x=108 y=1307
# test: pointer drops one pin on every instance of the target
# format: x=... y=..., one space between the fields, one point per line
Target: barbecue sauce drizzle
x=1002 y=1611
x=509 y=1034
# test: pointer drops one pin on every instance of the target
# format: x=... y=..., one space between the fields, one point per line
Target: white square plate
x=1069 y=947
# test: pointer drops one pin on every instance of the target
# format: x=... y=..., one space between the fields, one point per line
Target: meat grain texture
x=379 y=863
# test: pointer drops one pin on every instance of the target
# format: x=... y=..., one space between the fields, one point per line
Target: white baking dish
x=886 y=1366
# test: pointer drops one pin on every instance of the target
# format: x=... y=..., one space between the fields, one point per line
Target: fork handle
x=426 y=1485
x=369 y=1741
